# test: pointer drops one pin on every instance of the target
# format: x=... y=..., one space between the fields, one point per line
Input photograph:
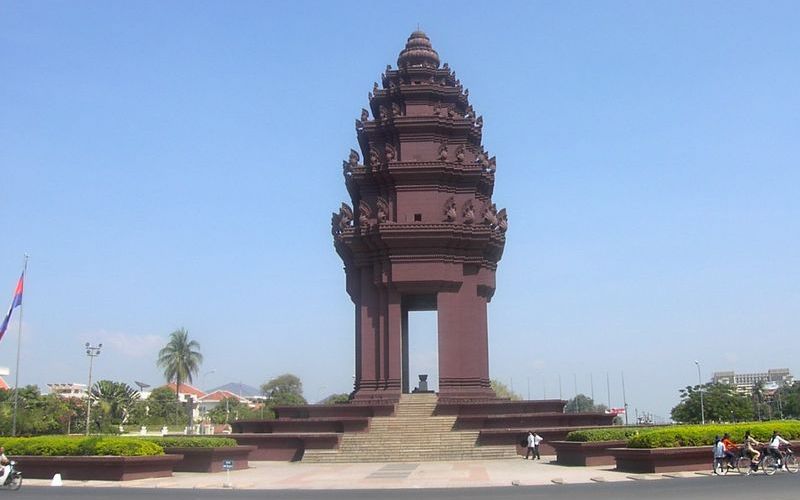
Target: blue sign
x=227 y=464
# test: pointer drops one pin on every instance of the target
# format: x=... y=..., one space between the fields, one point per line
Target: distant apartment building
x=68 y=390
x=744 y=382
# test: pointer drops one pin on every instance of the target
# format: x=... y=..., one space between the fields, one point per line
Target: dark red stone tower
x=423 y=233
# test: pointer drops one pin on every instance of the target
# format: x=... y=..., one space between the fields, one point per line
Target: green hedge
x=192 y=442
x=702 y=435
x=51 y=446
x=605 y=434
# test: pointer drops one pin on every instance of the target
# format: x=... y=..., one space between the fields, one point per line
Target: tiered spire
x=418 y=52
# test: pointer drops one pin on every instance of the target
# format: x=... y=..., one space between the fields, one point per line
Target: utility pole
x=624 y=398
x=92 y=352
x=700 y=386
x=560 y=394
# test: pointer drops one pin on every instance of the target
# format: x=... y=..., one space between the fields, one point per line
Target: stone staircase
x=412 y=434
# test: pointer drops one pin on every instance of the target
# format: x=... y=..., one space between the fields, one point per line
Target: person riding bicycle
x=731 y=450
x=774 y=447
x=750 y=444
x=5 y=467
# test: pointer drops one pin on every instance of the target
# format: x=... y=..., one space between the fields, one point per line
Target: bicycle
x=724 y=465
x=771 y=465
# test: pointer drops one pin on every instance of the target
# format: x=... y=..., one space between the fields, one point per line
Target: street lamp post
x=700 y=385
x=92 y=352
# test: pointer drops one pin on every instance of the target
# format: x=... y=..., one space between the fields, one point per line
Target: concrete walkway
x=287 y=476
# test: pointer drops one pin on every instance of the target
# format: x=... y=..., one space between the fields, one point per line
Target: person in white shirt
x=774 y=447
x=530 y=451
x=4 y=465
x=537 y=440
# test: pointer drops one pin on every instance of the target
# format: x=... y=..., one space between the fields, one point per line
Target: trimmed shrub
x=703 y=435
x=55 y=446
x=605 y=434
x=127 y=447
x=192 y=442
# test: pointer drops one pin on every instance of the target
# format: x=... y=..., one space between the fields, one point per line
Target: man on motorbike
x=5 y=466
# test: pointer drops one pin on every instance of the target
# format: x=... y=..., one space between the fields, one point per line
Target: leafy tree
x=336 y=399
x=162 y=407
x=114 y=401
x=721 y=403
x=761 y=406
x=503 y=391
x=583 y=403
x=230 y=409
x=286 y=389
x=788 y=400
x=36 y=413
x=139 y=413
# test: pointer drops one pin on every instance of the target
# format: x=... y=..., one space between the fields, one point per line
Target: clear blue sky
x=172 y=164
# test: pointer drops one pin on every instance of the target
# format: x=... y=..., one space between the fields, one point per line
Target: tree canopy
x=721 y=403
x=336 y=399
x=583 y=403
x=286 y=389
x=230 y=409
x=503 y=391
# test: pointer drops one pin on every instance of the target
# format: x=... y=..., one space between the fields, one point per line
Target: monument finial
x=418 y=52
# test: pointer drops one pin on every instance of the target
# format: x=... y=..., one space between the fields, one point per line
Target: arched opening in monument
x=420 y=342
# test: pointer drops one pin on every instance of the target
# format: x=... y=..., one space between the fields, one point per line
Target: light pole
x=92 y=352
x=700 y=385
x=203 y=378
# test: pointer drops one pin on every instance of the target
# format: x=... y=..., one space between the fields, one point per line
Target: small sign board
x=227 y=464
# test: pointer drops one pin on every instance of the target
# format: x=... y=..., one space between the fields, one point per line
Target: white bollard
x=56 y=481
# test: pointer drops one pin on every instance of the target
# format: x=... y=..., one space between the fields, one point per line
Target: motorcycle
x=14 y=479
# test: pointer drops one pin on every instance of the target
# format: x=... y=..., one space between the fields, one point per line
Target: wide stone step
x=412 y=434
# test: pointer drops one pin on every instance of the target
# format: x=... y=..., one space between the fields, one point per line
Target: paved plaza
x=485 y=473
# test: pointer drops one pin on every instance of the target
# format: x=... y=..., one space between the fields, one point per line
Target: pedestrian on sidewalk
x=531 y=447
x=537 y=440
x=719 y=455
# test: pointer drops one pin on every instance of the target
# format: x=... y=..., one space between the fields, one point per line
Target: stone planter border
x=210 y=459
x=102 y=468
x=288 y=447
x=585 y=454
x=656 y=460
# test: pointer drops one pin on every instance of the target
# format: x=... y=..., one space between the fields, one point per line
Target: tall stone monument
x=422 y=232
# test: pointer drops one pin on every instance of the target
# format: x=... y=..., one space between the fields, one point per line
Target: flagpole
x=19 y=343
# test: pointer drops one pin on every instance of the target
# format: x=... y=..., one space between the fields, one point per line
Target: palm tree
x=180 y=358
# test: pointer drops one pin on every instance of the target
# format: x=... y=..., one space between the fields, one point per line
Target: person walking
x=531 y=452
x=537 y=440
x=719 y=455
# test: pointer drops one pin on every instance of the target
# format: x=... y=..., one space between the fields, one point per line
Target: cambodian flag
x=15 y=302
